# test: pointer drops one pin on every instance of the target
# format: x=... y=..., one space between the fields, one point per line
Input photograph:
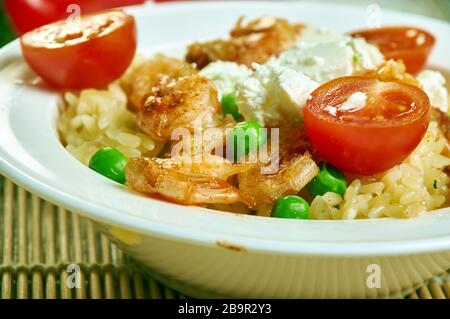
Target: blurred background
x=18 y=16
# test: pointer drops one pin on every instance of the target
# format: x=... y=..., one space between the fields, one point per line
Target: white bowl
x=209 y=251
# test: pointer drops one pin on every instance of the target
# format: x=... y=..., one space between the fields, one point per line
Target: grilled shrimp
x=394 y=71
x=187 y=183
x=296 y=169
x=146 y=75
x=255 y=42
x=182 y=103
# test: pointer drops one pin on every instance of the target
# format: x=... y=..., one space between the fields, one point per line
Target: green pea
x=329 y=179
x=229 y=105
x=253 y=137
x=109 y=162
x=291 y=206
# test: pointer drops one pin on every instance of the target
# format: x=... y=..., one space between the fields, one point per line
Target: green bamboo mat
x=39 y=240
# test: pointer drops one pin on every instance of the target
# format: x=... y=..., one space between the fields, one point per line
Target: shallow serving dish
x=200 y=251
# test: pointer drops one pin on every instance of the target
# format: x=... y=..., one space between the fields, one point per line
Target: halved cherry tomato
x=377 y=130
x=91 y=53
x=27 y=15
x=412 y=45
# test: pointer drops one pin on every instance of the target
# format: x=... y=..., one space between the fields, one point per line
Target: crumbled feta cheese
x=295 y=91
x=336 y=59
x=312 y=35
x=273 y=91
x=251 y=97
x=434 y=85
x=367 y=56
x=328 y=60
x=355 y=102
x=225 y=75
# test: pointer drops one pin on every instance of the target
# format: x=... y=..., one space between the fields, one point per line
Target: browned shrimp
x=139 y=83
x=255 y=42
x=393 y=71
x=187 y=183
x=179 y=104
x=296 y=169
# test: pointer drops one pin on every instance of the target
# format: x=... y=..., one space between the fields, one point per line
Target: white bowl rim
x=418 y=240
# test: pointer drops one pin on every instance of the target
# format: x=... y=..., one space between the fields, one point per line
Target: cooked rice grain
x=412 y=188
x=100 y=118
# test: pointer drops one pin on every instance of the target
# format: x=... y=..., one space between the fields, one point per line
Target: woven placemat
x=39 y=240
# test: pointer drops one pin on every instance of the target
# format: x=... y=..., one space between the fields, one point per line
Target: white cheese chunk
x=295 y=89
x=328 y=60
x=434 y=85
x=225 y=75
x=321 y=62
x=312 y=35
x=272 y=92
x=366 y=56
x=251 y=97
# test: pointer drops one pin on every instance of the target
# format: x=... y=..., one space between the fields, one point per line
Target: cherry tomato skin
x=93 y=62
x=27 y=15
x=362 y=145
x=412 y=45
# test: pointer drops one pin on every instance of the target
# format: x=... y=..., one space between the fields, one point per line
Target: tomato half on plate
x=366 y=126
x=27 y=15
x=90 y=53
x=412 y=45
